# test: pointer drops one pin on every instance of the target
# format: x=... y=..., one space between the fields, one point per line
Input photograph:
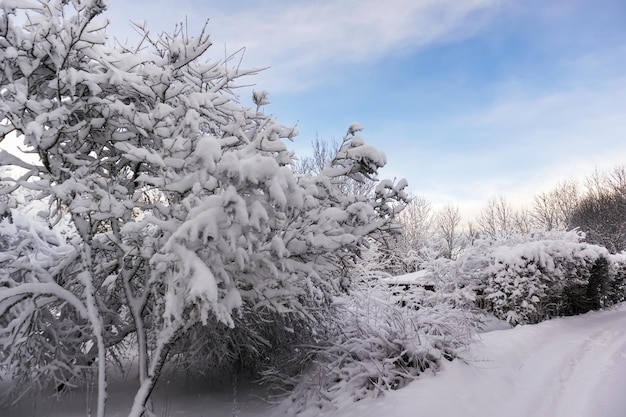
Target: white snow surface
x=567 y=367
x=422 y=277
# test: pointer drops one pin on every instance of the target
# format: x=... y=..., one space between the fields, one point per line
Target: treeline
x=595 y=206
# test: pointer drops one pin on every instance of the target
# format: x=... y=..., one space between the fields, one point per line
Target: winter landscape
x=165 y=252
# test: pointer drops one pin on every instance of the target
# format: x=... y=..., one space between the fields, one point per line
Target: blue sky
x=469 y=99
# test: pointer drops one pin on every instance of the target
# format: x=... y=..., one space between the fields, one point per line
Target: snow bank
x=568 y=367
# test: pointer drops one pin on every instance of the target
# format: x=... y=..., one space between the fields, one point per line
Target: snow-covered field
x=567 y=367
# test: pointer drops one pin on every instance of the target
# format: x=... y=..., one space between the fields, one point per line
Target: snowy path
x=569 y=367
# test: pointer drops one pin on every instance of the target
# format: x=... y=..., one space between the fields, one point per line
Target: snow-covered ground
x=568 y=367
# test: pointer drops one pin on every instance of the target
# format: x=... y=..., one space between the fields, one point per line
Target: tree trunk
x=142 y=396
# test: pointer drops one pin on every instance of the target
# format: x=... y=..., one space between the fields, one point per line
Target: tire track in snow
x=570 y=391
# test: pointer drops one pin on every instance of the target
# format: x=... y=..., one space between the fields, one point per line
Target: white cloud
x=303 y=40
x=519 y=146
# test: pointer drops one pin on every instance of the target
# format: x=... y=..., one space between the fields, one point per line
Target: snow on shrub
x=376 y=345
x=617 y=286
x=529 y=282
x=526 y=278
x=54 y=316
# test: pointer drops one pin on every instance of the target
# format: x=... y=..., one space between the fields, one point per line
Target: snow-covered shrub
x=42 y=323
x=526 y=278
x=616 y=292
x=375 y=345
x=373 y=263
x=256 y=344
x=530 y=277
x=528 y=282
x=183 y=203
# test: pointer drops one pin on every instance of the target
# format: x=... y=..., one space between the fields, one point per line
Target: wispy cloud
x=520 y=146
x=304 y=41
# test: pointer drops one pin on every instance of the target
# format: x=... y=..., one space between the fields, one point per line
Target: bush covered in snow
x=528 y=278
x=529 y=282
x=375 y=345
x=616 y=292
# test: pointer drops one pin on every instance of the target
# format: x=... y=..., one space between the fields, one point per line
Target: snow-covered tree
x=180 y=206
x=324 y=152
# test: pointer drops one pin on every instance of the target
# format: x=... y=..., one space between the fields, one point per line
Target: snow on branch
x=180 y=204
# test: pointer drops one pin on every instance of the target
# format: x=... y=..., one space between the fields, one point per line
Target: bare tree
x=601 y=212
x=611 y=182
x=617 y=179
x=552 y=210
x=417 y=222
x=601 y=218
x=472 y=233
x=523 y=221
x=497 y=218
x=448 y=225
x=324 y=152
